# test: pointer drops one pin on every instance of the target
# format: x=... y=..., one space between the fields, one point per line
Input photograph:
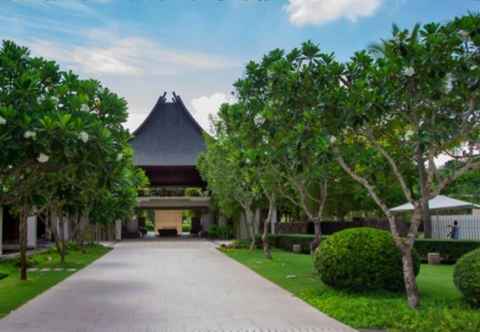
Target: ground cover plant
x=442 y=310
x=14 y=292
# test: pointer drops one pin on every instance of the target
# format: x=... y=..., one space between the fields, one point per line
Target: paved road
x=167 y=286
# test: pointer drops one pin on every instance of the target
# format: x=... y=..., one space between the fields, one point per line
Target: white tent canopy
x=439 y=202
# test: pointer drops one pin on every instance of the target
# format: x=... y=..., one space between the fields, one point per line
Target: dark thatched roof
x=169 y=136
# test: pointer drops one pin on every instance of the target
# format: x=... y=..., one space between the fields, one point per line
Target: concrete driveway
x=176 y=285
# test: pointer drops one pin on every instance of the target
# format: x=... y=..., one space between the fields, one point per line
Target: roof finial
x=163 y=98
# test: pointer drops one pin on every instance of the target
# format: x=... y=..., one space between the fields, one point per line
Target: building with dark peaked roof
x=168 y=143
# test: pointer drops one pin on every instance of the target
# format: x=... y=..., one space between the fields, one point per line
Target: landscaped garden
x=46 y=272
x=442 y=309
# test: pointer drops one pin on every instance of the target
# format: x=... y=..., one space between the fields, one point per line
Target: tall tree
x=416 y=102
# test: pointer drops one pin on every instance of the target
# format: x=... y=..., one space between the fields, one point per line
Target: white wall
x=469 y=226
x=118 y=230
x=32 y=232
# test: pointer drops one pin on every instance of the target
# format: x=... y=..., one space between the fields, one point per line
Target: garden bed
x=442 y=308
x=14 y=293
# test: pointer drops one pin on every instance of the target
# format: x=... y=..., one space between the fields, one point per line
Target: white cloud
x=106 y=53
x=205 y=108
x=316 y=12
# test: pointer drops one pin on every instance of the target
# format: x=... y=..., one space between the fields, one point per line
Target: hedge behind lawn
x=450 y=250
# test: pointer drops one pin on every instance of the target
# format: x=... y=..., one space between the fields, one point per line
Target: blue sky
x=140 y=48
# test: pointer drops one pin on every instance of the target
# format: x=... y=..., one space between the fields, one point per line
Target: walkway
x=163 y=285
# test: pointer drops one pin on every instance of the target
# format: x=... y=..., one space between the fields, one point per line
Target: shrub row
x=450 y=250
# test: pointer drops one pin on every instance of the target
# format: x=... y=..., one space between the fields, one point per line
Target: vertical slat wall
x=469 y=226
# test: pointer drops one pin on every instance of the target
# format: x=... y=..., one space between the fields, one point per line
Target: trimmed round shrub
x=359 y=259
x=467 y=276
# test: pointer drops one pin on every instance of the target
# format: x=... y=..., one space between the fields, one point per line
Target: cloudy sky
x=198 y=48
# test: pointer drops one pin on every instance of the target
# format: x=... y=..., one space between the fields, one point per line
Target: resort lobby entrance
x=167 y=146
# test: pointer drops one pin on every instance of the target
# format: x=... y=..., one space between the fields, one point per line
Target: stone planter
x=297 y=248
x=434 y=258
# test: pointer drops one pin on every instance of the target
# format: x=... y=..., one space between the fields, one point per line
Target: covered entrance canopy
x=439 y=203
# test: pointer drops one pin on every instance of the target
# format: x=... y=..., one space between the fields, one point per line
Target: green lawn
x=442 y=309
x=14 y=293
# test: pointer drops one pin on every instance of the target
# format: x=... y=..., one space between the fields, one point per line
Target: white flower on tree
x=333 y=139
x=30 y=134
x=409 y=71
x=40 y=99
x=119 y=156
x=84 y=108
x=259 y=120
x=43 y=158
x=55 y=100
x=408 y=134
x=83 y=136
x=3 y=121
x=463 y=34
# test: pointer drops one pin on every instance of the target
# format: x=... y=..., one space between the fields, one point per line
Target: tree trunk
x=77 y=232
x=409 y=277
x=268 y=220
x=422 y=173
x=249 y=216
x=22 y=228
x=316 y=221
x=318 y=235
x=274 y=217
x=61 y=225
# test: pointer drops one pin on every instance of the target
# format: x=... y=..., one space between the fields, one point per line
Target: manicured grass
x=14 y=293
x=442 y=309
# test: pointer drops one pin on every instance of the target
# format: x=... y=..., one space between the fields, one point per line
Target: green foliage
x=467 y=277
x=442 y=308
x=220 y=232
x=186 y=227
x=449 y=250
x=193 y=192
x=64 y=145
x=360 y=259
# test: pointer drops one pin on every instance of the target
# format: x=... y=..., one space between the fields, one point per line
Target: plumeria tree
x=230 y=174
x=416 y=102
x=284 y=96
x=59 y=135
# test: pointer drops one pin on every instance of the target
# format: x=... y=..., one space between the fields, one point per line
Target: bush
x=467 y=277
x=449 y=250
x=3 y=275
x=186 y=228
x=361 y=259
x=220 y=232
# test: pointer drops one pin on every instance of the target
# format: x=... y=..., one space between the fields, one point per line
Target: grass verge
x=14 y=293
x=442 y=309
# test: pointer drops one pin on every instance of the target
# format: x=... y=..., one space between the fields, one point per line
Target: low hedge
x=450 y=250
x=286 y=241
